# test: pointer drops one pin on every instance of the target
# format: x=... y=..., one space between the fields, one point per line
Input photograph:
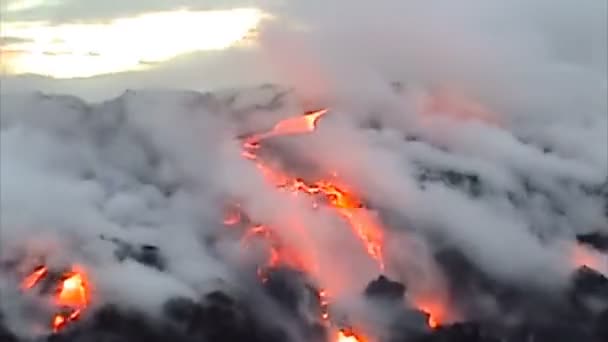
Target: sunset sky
x=85 y=38
x=97 y=49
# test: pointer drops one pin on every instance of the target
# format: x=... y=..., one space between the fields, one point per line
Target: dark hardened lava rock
x=220 y=317
x=596 y=240
x=588 y=292
x=469 y=182
x=600 y=330
x=148 y=255
x=5 y=334
x=404 y=323
x=217 y=317
x=459 y=332
x=545 y=318
x=385 y=289
x=297 y=298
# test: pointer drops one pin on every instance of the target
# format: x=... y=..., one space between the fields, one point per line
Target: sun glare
x=84 y=50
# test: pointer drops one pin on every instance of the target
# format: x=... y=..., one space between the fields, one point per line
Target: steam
x=514 y=60
x=157 y=167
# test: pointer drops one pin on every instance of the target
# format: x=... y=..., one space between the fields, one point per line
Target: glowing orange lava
x=73 y=291
x=60 y=320
x=348 y=336
x=328 y=192
x=34 y=278
x=71 y=296
x=344 y=202
x=434 y=309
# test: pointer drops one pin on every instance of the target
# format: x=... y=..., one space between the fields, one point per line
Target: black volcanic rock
x=297 y=299
x=148 y=255
x=589 y=291
x=5 y=334
x=596 y=240
x=288 y=288
x=563 y=332
x=459 y=332
x=399 y=320
x=601 y=326
x=110 y=324
x=468 y=182
x=218 y=317
x=587 y=281
x=385 y=289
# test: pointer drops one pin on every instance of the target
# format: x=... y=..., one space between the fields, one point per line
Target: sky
x=98 y=49
x=70 y=39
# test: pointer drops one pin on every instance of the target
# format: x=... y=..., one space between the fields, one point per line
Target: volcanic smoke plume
x=451 y=188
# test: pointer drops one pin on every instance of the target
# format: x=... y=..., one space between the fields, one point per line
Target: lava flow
x=348 y=336
x=71 y=294
x=329 y=192
x=344 y=202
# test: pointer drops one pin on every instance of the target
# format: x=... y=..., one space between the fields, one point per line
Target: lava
x=34 y=278
x=329 y=192
x=344 y=202
x=348 y=336
x=60 y=320
x=73 y=291
x=71 y=294
x=294 y=125
x=434 y=310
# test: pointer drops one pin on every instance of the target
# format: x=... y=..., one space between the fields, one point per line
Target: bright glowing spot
x=84 y=50
x=346 y=336
x=582 y=255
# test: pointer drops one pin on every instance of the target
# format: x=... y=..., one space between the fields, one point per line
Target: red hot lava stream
x=342 y=200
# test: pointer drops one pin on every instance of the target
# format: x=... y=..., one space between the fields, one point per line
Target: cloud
x=203 y=71
x=13 y=40
x=509 y=57
x=61 y=11
x=508 y=190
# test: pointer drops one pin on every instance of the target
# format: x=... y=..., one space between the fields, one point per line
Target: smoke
x=520 y=62
x=479 y=126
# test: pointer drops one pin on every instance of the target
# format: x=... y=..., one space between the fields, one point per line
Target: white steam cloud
x=155 y=167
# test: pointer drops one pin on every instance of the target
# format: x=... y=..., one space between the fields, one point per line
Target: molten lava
x=329 y=192
x=34 y=278
x=73 y=291
x=71 y=296
x=434 y=310
x=277 y=253
x=343 y=201
x=290 y=126
x=348 y=336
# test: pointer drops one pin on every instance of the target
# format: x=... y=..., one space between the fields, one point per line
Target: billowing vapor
x=474 y=131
